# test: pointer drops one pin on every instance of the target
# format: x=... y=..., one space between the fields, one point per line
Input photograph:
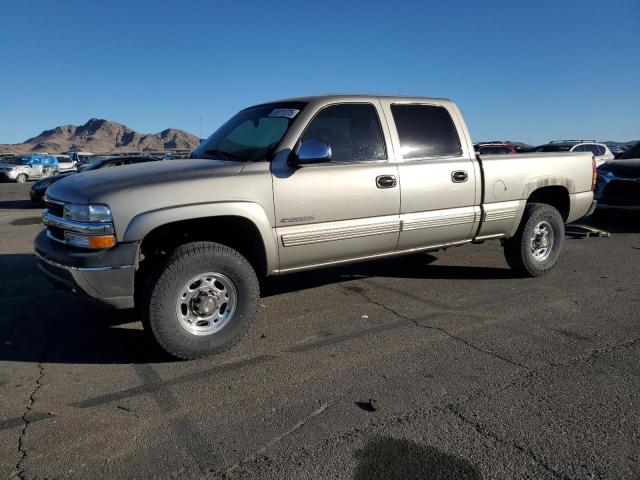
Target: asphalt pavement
x=431 y=366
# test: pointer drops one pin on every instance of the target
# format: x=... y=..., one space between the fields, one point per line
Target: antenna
x=200 y=128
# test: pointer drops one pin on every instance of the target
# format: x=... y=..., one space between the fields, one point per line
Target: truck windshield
x=251 y=135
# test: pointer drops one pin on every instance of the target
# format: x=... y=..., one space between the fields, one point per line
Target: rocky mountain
x=103 y=136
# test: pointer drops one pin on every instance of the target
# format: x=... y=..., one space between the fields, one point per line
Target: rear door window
x=425 y=131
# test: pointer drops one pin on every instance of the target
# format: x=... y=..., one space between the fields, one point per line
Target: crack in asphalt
x=489 y=434
x=598 y=352
x=22 y=450
x=417 y=323
x=607 y=350
x=279 y=438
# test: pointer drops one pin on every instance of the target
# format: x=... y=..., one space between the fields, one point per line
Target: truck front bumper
x=105 y=276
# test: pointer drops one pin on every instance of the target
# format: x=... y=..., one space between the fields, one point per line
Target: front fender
x=144 y=223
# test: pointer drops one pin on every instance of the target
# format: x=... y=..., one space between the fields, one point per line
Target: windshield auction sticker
x=284 y=113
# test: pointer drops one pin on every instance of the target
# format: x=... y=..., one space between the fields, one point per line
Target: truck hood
x=97 y=186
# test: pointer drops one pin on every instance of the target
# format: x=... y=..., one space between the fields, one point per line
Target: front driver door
x=344 y=209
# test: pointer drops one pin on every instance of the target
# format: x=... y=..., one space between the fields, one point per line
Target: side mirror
x=313 y=151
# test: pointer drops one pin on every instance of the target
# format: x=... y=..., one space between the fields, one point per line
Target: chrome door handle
x=459 y=176
x=386 y=181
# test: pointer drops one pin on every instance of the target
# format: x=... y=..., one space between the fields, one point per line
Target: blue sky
x=520 y=70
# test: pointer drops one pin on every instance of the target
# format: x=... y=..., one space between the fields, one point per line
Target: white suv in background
x=65 y=163
x=599 y=150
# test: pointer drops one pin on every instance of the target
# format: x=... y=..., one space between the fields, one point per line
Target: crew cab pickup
x=295 y=185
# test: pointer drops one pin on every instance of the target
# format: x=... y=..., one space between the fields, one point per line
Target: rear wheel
x=203 y=301
x=535 y=248
x=21 y=178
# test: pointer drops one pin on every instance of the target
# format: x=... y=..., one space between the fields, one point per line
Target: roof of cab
x=341 y=97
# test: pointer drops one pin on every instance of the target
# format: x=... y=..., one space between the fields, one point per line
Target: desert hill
x=103 y=136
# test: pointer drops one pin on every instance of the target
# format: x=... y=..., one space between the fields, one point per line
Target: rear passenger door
x=439 y=201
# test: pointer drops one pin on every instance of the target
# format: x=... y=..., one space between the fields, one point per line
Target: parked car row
x=599 y=150
x=35 y=166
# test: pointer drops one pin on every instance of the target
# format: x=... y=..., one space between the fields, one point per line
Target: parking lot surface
x=438 y=365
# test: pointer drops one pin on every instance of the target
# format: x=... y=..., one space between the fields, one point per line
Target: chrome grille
x=55 y=208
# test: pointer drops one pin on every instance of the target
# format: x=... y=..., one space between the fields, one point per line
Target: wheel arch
x=556 y=196
x=243 y=226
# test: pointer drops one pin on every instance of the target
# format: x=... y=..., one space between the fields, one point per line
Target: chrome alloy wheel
x=206 y=303
x=542 y=240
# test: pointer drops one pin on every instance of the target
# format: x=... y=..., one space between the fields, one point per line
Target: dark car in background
x=496 y=149
x=618 y=184
x=629 y=153
x=39 y=188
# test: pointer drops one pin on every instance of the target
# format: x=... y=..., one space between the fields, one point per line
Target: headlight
x=87 y=213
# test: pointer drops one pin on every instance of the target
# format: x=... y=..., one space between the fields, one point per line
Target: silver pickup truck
x=294 y=185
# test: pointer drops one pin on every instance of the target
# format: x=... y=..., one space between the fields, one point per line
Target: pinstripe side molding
x=501 y=214
x=406 y=222
x=340 y=233
x=460 y=216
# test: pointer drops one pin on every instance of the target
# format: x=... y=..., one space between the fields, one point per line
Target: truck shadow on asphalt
x=19 y=205
x=40 y=323
x=387 y=458
x=418 y=266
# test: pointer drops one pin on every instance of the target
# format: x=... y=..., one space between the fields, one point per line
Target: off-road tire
x=187 y=261
x=517 y=250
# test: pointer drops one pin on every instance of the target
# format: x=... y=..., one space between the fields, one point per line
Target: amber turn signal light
x=105 y=241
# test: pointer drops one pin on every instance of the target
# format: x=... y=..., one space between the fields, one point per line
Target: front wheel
x=203 y=301
x=21 y=178
x=535 y=248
